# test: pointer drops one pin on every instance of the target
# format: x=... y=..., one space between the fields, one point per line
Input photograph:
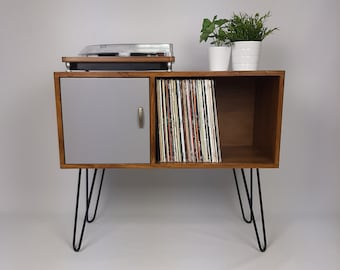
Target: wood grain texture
x=59 y=119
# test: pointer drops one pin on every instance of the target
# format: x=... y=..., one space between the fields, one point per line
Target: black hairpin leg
x=87 y=219
x=249 y=194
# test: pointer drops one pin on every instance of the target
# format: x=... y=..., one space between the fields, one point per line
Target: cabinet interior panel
x=235 y=110
x=267 y=121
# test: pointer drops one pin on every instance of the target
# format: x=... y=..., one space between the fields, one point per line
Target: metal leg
x=249 y=194
x=76 y=247
x=247 y=220
x=90 y=220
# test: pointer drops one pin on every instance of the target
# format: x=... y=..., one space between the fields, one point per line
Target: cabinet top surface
x=100 y=74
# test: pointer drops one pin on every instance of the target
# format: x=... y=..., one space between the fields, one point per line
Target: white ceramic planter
x=219 y=58
x=245 y=55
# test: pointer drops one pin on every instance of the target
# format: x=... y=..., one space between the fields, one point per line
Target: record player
x=142 y=56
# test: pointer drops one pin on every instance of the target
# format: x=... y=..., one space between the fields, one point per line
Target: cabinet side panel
x=266 y=120
x=101 y=123
x=59 y=119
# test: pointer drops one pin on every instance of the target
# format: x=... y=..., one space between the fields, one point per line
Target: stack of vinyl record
x=187 y=121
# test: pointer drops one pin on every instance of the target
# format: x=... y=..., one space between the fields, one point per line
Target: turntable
x=142 y=56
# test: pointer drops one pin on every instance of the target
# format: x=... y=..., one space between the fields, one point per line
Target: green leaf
x=205 y=23
x=243 y=27
x=215 y=30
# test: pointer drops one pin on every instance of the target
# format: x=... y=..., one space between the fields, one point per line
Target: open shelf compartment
x=249 y=109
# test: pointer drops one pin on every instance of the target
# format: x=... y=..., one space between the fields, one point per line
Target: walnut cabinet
x=109 y=119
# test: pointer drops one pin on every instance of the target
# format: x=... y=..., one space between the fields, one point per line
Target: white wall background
x=35 y=34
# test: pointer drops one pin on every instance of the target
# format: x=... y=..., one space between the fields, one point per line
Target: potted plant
x=219 y=52
x=246 y=33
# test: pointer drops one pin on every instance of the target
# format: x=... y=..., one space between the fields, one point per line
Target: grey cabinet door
x=102 y=120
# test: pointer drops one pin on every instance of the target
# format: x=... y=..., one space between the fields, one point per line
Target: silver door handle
x=141 y=117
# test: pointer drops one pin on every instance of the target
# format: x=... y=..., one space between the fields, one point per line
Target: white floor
x=118 y=241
